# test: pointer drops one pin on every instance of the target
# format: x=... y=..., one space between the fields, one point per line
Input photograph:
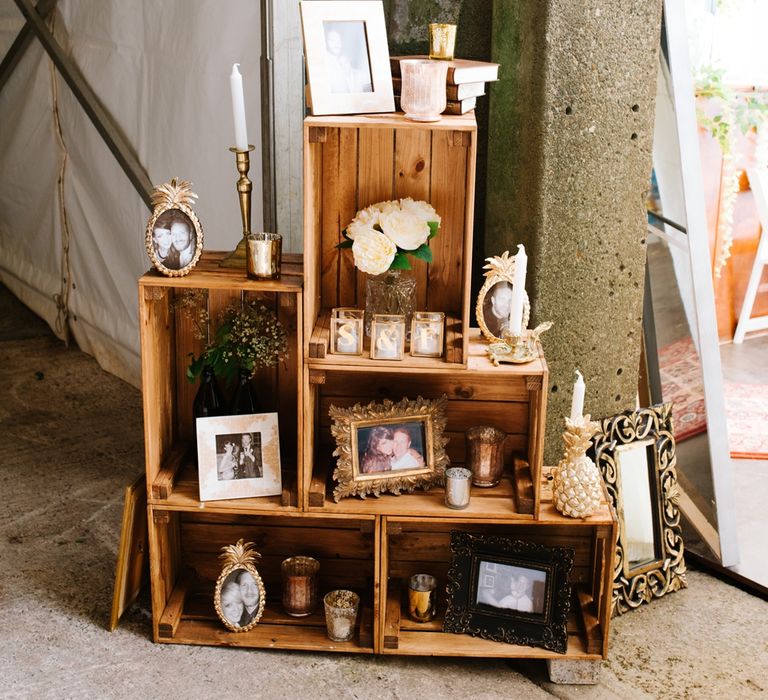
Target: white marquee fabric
x=161 y=69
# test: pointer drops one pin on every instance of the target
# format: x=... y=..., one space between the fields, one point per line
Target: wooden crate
x=416 y=545
x=511 y=397
x=184 y=566
x=167 y=339
x=353 y=162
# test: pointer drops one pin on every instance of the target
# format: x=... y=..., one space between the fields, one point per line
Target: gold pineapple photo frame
x=495 y=297
x=174 y=236
x=239 y=596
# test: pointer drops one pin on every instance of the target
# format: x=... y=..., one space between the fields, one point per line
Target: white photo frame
x=347 y=56
x=238 y=456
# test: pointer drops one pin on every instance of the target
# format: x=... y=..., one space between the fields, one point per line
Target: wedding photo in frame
x=511 y=591
x=347 y=56
x=389 y=447
x=238 y=456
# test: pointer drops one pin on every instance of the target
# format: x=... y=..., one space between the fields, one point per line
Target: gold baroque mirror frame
x=495 y=296
x=389 y=447
x=635 y=452
x=239 y=596
x=174 y=235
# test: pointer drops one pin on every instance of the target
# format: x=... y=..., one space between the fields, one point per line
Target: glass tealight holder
x=442 y=41
x=346 y=333
x=422 y=597
x=388 y=337
x=423 y=89
x=263 y=253
x=341 y=614
x=457 y=487
x=300 y=585
x=427 y=333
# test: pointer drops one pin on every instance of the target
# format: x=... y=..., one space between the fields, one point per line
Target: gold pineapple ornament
x=577 y=486
x=174 y=236
x=239 y=596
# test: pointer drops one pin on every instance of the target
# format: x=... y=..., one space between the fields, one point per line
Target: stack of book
x=465 y=82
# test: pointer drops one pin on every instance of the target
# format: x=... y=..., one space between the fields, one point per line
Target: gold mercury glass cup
x=300 y=585
x=422 y=597
x=263 y=254
x=442 y=41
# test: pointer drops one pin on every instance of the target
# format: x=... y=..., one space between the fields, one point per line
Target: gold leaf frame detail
x=499 y=268
x=225 y=572
x=168 y=197
x=346 y=421
x=632 y=588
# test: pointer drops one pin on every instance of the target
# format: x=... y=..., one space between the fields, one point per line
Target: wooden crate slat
x=413 y=164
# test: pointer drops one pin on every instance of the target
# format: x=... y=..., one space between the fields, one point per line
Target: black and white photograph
x=511 y=587
x=174 y=239
x=391 y=447
x=347 y=57
x=346 y=60
x=239 y=598
x=497 y=306
x=238 y=456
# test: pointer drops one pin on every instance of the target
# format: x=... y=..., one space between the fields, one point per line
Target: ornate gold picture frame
x=239 y=596
x=174 y=235
x=493 y=301
x=635 y=452
x=389 y=447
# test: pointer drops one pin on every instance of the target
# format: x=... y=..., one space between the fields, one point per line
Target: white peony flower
x=356 y=227
x=364 y=219
x=404 y=229
x=387 y=206
x=426 y=212
x=373 y=252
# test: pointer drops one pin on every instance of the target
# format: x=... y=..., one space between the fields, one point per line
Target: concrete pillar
x=569 y=160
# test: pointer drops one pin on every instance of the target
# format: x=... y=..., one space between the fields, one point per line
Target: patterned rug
x=746 y=405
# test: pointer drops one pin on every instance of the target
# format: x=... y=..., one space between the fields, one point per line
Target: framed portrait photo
x=239 y=596
x=347 y=55
x=508 y=590
x=389 y=447
x=238 y=456
x=174 y=236
x=494 y=301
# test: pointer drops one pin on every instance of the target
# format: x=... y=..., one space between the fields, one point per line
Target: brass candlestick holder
x=244 y=186
x=518 y=348
x=577 y=486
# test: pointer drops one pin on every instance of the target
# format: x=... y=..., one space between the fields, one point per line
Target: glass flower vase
x=389 y=293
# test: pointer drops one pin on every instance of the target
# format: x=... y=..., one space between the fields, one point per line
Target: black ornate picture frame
x=663 y=570
x=511 y=591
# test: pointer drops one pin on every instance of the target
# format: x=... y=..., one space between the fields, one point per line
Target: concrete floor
x=71 y=440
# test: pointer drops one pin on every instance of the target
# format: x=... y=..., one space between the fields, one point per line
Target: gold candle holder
x=422 y=597
x=244 y=186
x=442 y=41
x=518 y=348
x=577 y=486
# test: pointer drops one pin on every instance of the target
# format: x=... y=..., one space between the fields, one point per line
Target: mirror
x=681 y=350
x=635 y=452
x=638 y=504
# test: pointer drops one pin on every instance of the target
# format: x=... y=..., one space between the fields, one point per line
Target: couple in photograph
x=240 y=599
x=389 y=448
x=174 y=243
x=239 y=460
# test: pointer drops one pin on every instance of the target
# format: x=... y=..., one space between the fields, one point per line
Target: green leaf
x=423 y=252
x=345 y=244
x=434 y=226
x=400 y=262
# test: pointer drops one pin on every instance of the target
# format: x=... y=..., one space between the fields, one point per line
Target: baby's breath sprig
x=248 y=337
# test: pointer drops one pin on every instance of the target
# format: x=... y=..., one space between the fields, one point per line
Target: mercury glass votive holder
x=341 y=614
x=300 y=585
x=485 y=454
x=442 y=41
x=422 y=597
x=457 y=487
x=423 y=90
x=263 y=253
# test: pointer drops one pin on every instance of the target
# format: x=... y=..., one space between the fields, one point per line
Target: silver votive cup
x=300 y=585
x=341 y=614
x=485 y=454
x=457 y=486
x=422 y=597
x=263 y=255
